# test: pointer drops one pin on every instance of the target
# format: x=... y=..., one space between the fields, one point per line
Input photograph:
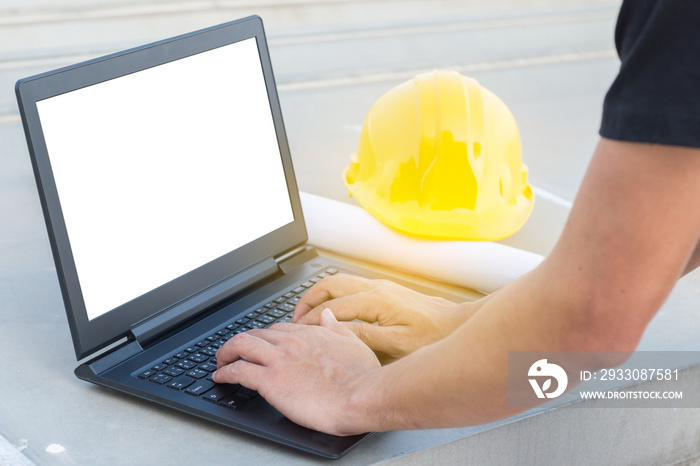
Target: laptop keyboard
x=190 y=369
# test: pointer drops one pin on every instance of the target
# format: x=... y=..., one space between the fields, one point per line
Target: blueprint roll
x=351 y=231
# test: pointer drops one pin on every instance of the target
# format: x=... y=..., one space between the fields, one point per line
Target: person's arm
x=629 y=237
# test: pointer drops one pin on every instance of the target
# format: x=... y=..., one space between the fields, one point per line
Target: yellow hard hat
x=439 y=156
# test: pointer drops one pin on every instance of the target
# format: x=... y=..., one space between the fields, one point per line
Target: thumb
x=327 y=319
x=376 y=337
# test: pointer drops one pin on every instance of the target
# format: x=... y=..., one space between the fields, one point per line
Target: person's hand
x=307 y=372
x=407 y=320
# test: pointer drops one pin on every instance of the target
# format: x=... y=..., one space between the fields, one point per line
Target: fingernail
x=214 y=374
x=328 y=315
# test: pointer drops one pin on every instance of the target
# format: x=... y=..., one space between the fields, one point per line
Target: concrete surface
x=550 y=61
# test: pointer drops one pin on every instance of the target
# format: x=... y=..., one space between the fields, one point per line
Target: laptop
x=174 y=218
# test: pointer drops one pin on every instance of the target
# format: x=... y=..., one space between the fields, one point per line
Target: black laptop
x=174 y=218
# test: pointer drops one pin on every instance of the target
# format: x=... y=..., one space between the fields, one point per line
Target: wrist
x=377 y=401
x=458 y=313
x=469 y=308
x=363 y=409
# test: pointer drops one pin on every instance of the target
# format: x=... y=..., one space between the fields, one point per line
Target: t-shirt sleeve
x=656 y=95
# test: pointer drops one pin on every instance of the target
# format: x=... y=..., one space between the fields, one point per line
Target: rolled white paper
x=352 y=231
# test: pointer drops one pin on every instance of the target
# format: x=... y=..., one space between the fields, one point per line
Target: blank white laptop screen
x=164 y=170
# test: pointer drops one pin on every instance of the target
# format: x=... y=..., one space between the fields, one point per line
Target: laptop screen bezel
x=90 y=336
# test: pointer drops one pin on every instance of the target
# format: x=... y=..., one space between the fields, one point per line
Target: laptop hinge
x=295 y=258
x=288 y=254
x=148 y=329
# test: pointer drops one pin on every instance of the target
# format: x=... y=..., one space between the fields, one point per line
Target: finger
x=329 y=288
x=381 y=339
x=246 y=373
x=286 y=327
x=329 y=321
x=275 y=333
x=364 y=306
x=246 y=346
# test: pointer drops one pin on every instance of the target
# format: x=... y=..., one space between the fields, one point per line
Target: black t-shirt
x=656 y=95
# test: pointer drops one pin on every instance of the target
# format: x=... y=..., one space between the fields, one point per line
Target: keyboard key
x=280 y=300
x=247 y=392
x=315 y=280
x=276 y=313
x=232 y=326
x=146 y=374
x=202 y=343
x=191 y=349
x=223 y=332
x=173 y=371
x=197 y=373
x=186 y=364
x=209 y=351
x=286 y=307
x=285 y=320
x=251 y=315
x=170 y=361
x=270 y=305
x=294 y=301
x=288 y=295
x=299 y=290
x=266 y=319
x=200 y=387
x=208 y=366
x=198 y=357
x=257 y=324
x=181 y=382
x=220 y=391
x=159 y=367
x=233 y=401
x=323 y=275
x=307 y=284
x=242 y=320
x=182 y=354
x=160 y=378
x=213 y=337
x=332 y=271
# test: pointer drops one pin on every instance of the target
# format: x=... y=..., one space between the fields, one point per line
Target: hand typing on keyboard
x=407 y=320
x=307 y=372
